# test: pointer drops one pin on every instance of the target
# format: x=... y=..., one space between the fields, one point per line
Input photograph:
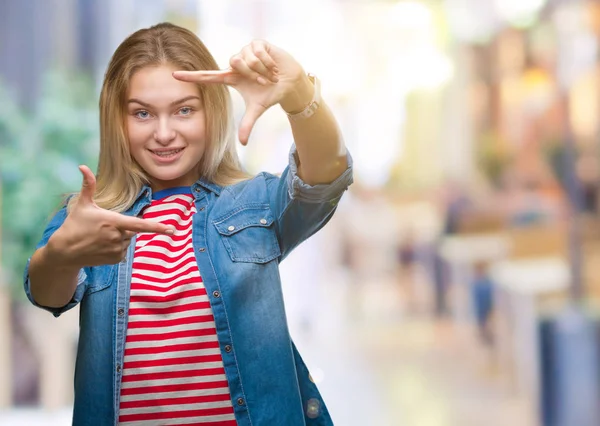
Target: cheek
x=194 y=131
x=136 y=133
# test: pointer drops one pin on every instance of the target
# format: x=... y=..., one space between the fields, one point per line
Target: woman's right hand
x=92 y=236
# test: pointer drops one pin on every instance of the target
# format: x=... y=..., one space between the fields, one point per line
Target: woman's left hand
x=264 y=75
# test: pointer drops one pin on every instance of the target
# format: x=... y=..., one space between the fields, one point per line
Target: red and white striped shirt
x=173 y=371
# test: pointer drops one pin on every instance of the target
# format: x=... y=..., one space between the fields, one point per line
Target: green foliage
x=39 y=155
x=492 y=159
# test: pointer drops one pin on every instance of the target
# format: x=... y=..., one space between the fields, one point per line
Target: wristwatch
x=314 y=104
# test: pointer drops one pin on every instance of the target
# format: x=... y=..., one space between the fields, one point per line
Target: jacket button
x=227 y=348
x=313 y=408
x=201 y=249
x=240 y=401
x=121 y=312
x=231 y=228
x=216 y=294
x=118 y=368
x=263 y=221
x=201 y=209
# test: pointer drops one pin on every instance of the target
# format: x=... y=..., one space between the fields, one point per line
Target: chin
x=171 y=177
x=179 y=177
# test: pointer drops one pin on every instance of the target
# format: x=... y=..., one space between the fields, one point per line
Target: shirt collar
x=201 y=184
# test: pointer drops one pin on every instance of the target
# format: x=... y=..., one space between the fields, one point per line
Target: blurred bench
x=534 y=275
x=530 y=267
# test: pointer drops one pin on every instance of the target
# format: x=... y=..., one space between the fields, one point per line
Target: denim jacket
x=240 y=234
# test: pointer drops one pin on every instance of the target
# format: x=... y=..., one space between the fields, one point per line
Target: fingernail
x=261 y=80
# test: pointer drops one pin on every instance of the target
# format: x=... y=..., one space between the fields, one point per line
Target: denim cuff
x=81 y=277
x=321 y=193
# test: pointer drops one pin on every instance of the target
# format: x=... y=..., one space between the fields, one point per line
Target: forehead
x=156 y=85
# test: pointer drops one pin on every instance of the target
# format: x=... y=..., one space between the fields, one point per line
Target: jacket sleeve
x=54 y=224
x=301 y=209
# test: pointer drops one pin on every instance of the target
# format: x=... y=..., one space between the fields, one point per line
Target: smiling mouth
x=166 y=154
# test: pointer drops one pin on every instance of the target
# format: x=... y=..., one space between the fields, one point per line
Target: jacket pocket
x=248 y=234
x=100 y=277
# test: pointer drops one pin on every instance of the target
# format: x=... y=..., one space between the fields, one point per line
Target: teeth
x=166 y=153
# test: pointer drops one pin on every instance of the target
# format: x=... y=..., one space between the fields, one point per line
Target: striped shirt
x=173 y=371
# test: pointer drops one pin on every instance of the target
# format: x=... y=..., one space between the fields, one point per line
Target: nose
x=164 y=132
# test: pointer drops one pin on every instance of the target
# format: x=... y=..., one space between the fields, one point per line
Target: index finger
x=204 y=76
x=135 y=224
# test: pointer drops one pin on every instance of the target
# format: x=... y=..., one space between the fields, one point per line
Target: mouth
x=164 y=153
x=166 y=156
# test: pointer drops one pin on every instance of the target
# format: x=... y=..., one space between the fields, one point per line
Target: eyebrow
x=177 y=102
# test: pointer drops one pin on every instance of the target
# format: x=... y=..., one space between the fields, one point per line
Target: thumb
x=253 y=112
x=88 y=187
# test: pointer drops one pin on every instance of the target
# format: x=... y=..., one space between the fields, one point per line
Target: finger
x=205 y=76
x=239 y=65
x=135 y=224
x=252 y=114
x=261 y=50
x=88 y=187
x=256 y=64
x=127 y=235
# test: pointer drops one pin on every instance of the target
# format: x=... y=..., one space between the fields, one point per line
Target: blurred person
x=455 y=206
x=173 y=251
x=406 y=258
x=588 y=174
x=406 y=252
x=482 y=297
x=441 y=277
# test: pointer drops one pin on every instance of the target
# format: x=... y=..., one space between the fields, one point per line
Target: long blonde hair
x=119 y=177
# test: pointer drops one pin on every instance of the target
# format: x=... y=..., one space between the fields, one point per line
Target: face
x=166 y=127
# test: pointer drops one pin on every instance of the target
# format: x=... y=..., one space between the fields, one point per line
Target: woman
x=173 y=251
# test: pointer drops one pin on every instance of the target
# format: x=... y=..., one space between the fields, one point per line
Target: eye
x=185 y=111
x=142 y=115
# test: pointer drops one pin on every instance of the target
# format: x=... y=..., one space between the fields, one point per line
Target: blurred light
x=340 y=76
x=410 y=14
x=377 y=143
x=520 y=13
x=471 y=20
x=220 y=34
x=576 y=43
x=426 y=68
x=417 y=62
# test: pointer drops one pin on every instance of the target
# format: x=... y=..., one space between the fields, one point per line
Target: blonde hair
x=120 y=178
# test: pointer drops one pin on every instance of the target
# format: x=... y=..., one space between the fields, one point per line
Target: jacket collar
x=144 y=197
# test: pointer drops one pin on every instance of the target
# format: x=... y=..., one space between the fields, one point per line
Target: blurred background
x=457 y=283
